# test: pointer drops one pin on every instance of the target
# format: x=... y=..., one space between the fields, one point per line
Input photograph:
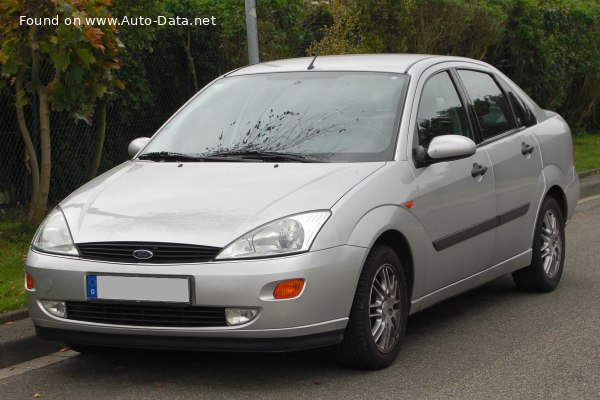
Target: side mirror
x=136 y=145
x=451 y=147
x=444 y=148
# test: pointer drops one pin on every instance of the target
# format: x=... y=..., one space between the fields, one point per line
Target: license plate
x=138 y=288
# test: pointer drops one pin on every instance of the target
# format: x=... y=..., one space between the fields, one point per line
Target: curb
x=18 y=342
x=15 y=315
x=590 y=183
x=589 y=172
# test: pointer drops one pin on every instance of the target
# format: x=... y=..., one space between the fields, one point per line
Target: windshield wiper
x=169 y=156
x=178 y=157
x=239 y=156
x=266 y=156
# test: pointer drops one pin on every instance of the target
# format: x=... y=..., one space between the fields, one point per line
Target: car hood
x=208 y=204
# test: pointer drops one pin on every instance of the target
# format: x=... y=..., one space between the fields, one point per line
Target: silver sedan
x=287 y=207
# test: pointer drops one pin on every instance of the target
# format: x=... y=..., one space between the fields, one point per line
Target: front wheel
x=379 y=313
x=548 y=256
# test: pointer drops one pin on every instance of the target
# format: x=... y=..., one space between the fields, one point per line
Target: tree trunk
x=99 y=143
x=38 y=211
x=187 y=47
x=29 y=147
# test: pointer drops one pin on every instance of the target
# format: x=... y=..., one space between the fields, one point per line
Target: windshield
x=328 y=116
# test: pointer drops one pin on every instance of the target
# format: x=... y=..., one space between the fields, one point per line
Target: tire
x=373 y=341
x=548 y=258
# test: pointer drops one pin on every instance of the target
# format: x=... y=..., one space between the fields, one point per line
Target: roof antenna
x=312 y=63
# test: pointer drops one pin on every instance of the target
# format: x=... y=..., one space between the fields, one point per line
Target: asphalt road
x=494 y=342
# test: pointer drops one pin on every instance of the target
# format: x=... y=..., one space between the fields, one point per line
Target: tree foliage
x=76 y=63
x=551 y=48
x=64 y=67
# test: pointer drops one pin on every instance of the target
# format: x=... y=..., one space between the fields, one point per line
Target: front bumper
x=276 y=344
x=316 y=318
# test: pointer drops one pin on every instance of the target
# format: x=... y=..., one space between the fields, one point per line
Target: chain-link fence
x=13 y=170
x=157 y=83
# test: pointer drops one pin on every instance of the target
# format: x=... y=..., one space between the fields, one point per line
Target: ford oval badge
x=143 y=254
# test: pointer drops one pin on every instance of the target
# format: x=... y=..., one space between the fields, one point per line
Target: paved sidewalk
x=18 y=342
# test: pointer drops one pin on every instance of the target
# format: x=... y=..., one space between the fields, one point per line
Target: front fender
x=395 y=218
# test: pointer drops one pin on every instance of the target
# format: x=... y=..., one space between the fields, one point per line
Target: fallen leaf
x=37 y=395
x=9 y=322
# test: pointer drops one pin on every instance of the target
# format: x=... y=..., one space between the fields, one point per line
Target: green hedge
x=550 y=48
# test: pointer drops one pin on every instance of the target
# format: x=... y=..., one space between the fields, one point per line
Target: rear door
x=456 y=208
x=506 y=134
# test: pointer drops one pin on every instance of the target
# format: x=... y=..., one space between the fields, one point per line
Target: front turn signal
x=288 y=289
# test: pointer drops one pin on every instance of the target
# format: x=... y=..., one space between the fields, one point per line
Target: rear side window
x=491 y=105
x=440 y=110
x=525 y=116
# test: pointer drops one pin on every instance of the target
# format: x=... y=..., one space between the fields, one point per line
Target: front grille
x=162 y=252
x=146 y=315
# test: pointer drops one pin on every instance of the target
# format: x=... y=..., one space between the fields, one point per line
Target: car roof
x=397 y=63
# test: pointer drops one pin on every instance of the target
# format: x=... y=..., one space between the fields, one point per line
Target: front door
x=456 y=202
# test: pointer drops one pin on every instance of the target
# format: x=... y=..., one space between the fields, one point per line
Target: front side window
x=440 y=110
x=329 y=116
x=491 y=106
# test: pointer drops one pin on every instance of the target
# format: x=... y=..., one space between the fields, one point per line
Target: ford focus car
x=288 y=207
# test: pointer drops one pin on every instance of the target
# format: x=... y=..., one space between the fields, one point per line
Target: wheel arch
x=399 y=244
x=397 y=228
x=558 y=194
x=563 y=186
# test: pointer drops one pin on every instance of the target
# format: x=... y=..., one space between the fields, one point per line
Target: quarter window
x=440 y=110
x=525 y=116
x=491 y=105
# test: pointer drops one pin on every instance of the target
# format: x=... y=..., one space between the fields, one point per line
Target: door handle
x=526 y=148
x=478 y=170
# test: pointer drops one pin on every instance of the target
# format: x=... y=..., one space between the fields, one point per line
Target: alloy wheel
x=385 y=311
x=551 y=250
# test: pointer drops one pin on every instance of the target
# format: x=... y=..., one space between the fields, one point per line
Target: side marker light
x=29 y=283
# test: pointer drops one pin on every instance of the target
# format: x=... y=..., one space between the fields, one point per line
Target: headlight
x=289 y=235
x=53 y=236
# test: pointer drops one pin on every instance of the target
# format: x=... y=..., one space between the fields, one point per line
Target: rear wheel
x=548 y=256
x=379 y=313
